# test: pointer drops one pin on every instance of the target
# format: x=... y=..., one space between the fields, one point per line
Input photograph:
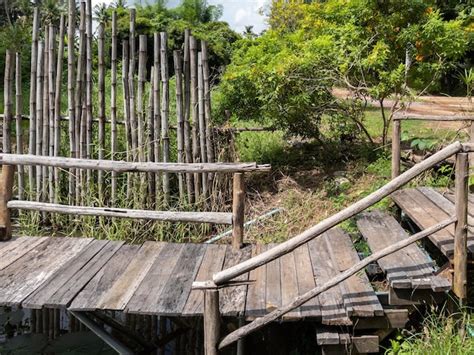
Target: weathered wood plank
x=124 y=287
x=176 y=290
x=256 y=300
x=13 y=249
x=273 y=284
x=232 y=299
x=212 y=262
x=89 y=298
x=289 y=284
x=155 y=280
x=327 y=336
x=25 y=275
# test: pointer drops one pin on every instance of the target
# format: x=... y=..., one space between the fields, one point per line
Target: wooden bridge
x=319 y=280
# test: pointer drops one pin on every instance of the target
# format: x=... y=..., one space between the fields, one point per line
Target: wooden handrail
x=228 y=274
x=439 y=118
x=262 y=321
x=124 y=166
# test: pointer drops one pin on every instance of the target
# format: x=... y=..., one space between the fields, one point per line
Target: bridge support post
x=396 y=149
x=6 y=188
x=212 y=321
x=238 y=211
x=460 y=234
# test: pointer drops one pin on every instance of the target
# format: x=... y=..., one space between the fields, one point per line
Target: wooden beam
x=313 y=232
x=169 y=216
x=121 y=166
x=461 y=226
x=6 y=188
x=211 y=321
x=297 y=302
x=412 y=116
x=396 y=150
x=238 y=211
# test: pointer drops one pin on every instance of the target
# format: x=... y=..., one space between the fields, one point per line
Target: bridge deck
x=155 y=278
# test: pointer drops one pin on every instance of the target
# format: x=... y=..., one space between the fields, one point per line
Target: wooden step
x=409 y=268
x=337 y=340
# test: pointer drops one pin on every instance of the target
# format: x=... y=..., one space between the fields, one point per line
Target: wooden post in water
x=211 y=321
x=6 y=190
x=396 y=149
x=113 y=104
x=238 y=211
x=19 y=129
x=461 y=227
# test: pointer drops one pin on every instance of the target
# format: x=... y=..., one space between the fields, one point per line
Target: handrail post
x=238 y=210
x=6 y=190
x=396 y=149
x=212 y=321
x=460 y=234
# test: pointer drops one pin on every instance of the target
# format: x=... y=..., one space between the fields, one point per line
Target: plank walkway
x=426 y=207
x=155 y=278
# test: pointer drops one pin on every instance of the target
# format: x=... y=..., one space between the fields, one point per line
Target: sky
x=238 y=13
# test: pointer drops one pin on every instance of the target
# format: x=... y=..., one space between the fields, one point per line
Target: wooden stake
x=461 y=227
x=238 y=211
x=207 y=102
x=157 y=110
x=8 y=100
x=71 y=31
x=126 y=108
x=19 y=129
x=211 y=321
x=113 y=104
x=396 y=152
x=89 y=93
x=6 y=190
x=142 y=43
x=202 y=125
x=52 y=105
x=165 y=113
x=101 y=84
x=57 y=103
x=131 y=84
x=187 y=111
x=150 y=143
x=194 y=111
x=179 y=116
x=39 y=114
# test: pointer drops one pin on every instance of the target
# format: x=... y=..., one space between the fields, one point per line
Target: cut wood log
x=6 y=189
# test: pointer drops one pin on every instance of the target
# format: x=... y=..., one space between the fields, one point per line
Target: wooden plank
x=420 y=210
x=359 y=296
x=89 y=298
x=333 y=311
x=365 y=344
x=273 y=284
x=47 y=291
x=155 y=280
x=212 y=262
x=26 y=274
x=125 y=286
x=289 y=284
x=256 y=300
x=13 y=249
x=176 y=291
x=232 y=299
x=305 y=277
x=327 y=336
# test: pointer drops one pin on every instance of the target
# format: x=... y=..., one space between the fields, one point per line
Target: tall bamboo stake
x=113 y=104
x=207 y=102
x=165 y=112
x=57 y=103
x=8 y=102
x=126 y=108
x=187 y=103
x=71 y=31
x=157 y=110
x=46 y=112
x=101 y=83
x=194 y=111
x=202 y=124
x=34 y=60
x=131 y=84
x=39 y=113
x=178 y=70
x=150 y=143
x=19 y=130
x=51 y=103
x=89 y=86
x=142 y=43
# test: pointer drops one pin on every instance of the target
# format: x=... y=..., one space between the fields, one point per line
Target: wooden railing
x=397 y=132
x=234 y=218
x=224 y=278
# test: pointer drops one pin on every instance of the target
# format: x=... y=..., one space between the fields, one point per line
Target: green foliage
x=423 y=143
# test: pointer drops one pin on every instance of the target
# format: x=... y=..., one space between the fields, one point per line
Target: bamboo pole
x=202 y=124
x=187 y=108
x=45 y=129
x=212 y=321
x=101 y=88
x=461 y=227
x=8 y=100
x=19 y=129
x=150 y=142
x=6 y=191
x=300 y=300
x=126 y=108
x=238 y=211
x=39 y=114
x=313 y=232
x=142 y=43
x=113 y=104
x=33 y=68
x=165 y=112
x=396 y=149
x=52 y=105
x=131 y=84
x=57 y=102
x=179 y=117
x=207 y=102
x=89 y=92
x=71 y=32
x=194 y=111
x=157 y=110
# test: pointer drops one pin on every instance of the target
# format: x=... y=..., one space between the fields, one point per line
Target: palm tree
x=102 y=14
x=119 y=4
